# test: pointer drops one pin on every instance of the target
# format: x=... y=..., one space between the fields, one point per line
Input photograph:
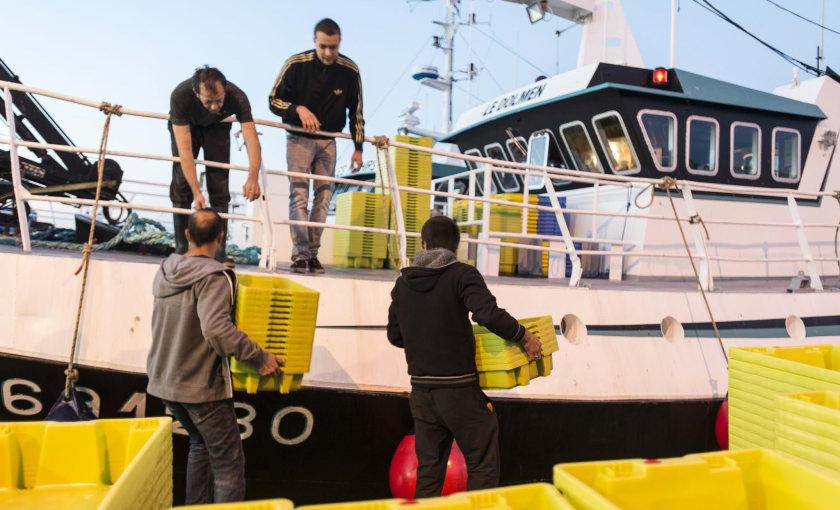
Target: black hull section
x=327 y=445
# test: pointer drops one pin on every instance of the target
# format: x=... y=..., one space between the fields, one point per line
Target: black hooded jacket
x=429 y=318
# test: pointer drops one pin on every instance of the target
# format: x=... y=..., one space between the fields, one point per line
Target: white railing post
x=816 y=283
x=471 y=193
x=397 y=204
x=20 y=192
x=450 y=188
x=487 y=257
x=267 y=242
x=705 y=269
x=574 y=278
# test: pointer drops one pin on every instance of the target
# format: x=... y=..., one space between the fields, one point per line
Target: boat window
x=479 y=177
x=579 y=146
x=786 y=155
x=702 y=145
x=516 y=153
x=543 y=150
x=508 y=182
x=660 y=131
x=745 y=156
x=616 y=144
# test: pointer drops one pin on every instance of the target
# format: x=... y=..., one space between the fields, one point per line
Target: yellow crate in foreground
x=734 y=480
x=101 y=464
x=265 y=504
x=537 y=496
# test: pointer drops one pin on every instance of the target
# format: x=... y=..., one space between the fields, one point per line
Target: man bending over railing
x=197 y=108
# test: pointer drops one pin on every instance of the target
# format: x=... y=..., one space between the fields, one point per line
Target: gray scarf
x=436 y=257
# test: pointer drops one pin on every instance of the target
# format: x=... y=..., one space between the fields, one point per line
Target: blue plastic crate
x=546 y=221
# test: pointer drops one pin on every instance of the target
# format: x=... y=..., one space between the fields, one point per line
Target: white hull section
x=351 y=351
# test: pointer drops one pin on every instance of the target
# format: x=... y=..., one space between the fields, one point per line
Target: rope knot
x=72 y=375
x=381 y=142
x=694 y=219
x=109 y=108
x=668 y=183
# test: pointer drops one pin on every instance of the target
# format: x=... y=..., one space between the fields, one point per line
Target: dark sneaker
x=315 y=266
x=298 y=266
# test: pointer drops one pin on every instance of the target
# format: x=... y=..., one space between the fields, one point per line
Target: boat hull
x=320 y=445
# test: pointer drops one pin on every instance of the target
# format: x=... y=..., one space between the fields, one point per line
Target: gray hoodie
x=193 y=332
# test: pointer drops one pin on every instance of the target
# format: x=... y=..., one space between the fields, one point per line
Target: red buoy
x=722 y=426
x=402 y=475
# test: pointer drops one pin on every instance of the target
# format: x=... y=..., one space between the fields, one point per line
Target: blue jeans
x=309 y=156
x=216 y=462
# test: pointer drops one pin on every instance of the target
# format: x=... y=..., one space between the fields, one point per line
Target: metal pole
x=699 y=241
x=20 y=192
x=449 y=38
x=267 y=243
x=574 y=279
x=673 y=33
x=397 y=202
x=816 y=283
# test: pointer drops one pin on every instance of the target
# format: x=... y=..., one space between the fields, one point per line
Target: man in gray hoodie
x=193 y=334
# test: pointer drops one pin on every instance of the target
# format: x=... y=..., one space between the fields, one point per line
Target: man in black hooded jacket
x=429 y=318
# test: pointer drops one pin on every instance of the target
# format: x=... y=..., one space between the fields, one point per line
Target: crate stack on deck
x=412 y=169
x=503 y=364
x=503 y=218
x=361 y=249
x=280 y=316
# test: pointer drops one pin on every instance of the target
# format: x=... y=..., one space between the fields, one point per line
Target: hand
x=272 y=365
x=356 y=162
x=198 y=200
x=532 y=346
x=308 y=119
x=251 y=190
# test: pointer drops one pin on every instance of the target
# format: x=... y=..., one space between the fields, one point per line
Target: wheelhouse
x=619 y=120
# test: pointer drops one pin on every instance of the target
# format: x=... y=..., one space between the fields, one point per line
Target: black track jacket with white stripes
x=332 y=93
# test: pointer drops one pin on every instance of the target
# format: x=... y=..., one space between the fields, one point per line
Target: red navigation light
x=660 y=76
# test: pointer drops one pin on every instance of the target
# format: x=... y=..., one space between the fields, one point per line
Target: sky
x=134 y=53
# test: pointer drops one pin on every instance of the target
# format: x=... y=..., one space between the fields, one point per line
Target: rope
x=836 y=230
x=667 y=183
x=382 y=144
x=71 y=372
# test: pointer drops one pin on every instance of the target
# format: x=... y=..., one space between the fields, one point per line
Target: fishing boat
x=695 y=214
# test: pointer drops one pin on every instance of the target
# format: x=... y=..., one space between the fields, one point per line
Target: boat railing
x=488 y=242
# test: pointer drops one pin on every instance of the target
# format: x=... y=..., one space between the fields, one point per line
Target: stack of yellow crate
x=413 y=169
x=100 y=464
x=360 y=249
x=502 y=364
x=808 y=427
x=734 y=480
x=503 y=218
x=280 y=316
x=758 y=374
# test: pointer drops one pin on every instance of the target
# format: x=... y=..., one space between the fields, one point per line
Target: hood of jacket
x=178 y=273
x=428 y=266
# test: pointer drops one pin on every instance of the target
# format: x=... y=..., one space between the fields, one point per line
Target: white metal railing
x=487 y=242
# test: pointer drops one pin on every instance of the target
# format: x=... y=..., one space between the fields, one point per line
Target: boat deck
x=659 y=284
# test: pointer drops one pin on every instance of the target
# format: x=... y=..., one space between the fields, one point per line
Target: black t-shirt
x=185 y=108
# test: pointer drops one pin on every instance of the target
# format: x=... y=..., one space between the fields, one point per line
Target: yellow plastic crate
x=248 y=379
x=100 y=464
x=808 y=427
x=536 y=496
x=519 y=376
x=734 y=480
x=265 y=504
x=757 y=375
x=820 y=362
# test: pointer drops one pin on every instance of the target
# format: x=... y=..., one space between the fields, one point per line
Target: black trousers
x=465 y=414
x=215 y=141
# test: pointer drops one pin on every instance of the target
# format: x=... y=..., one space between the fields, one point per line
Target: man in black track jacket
x=316 y=90
x=429 y=318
